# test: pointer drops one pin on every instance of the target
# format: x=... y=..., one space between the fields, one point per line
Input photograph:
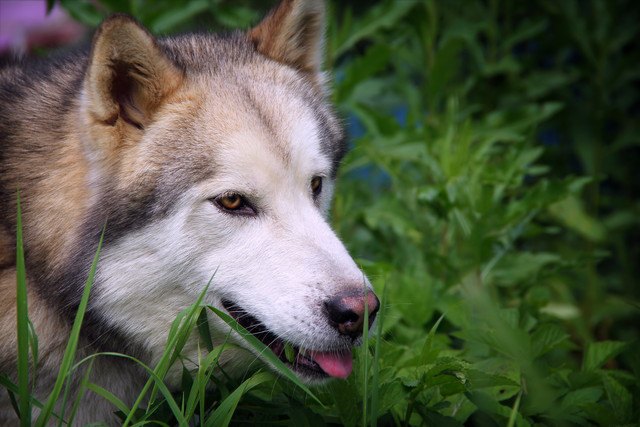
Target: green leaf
x=173 y=17
x=235 y=16
x=289 y=352
x=520 y=267
x=379 y=17
x=546 y=337
x=564 y=311
x=572 y=214
x=83 y=11
x=577 y=399
x=598 y=353
x=479 y=379
x=620 y=399
x=486 y=403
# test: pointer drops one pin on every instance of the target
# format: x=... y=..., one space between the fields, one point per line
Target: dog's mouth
x=308 y=363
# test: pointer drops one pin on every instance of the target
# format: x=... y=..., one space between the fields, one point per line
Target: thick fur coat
x=202 y=154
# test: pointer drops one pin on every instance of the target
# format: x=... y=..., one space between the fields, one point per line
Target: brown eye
x=231 y=201
x=316 y=186
x=234 y=203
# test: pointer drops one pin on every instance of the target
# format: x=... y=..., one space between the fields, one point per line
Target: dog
x=212 y=160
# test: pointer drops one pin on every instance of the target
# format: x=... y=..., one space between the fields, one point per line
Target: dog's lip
x=304 y=360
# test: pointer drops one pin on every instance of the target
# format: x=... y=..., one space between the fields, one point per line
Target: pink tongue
x=334 y=364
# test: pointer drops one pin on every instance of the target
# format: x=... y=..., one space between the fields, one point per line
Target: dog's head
x=215 y=156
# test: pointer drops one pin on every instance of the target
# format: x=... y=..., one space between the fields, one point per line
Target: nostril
x=339 y=311
x=345 y=311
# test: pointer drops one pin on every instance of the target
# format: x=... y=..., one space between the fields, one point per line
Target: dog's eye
x=231 y=201
x=234 y=202
x=316 y=186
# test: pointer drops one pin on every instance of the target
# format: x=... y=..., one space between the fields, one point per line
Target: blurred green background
x=492 y=184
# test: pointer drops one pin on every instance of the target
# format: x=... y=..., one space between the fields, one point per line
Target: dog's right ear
x=128 y=76
x=293 y=33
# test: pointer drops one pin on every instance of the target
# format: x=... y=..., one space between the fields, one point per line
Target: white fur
x=280 y=265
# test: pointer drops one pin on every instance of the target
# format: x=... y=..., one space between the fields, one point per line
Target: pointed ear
x=128 y=75
x=293 y=33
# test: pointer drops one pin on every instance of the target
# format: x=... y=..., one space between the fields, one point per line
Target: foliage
x=491 y=196
x=163 y=16
x=493 y=134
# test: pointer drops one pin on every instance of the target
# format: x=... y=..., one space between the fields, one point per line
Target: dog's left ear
x=128 y=76
x=293 y=33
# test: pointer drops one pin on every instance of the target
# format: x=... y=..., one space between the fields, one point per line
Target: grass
x=70 y=351
x=23 y=326
x=191 y=319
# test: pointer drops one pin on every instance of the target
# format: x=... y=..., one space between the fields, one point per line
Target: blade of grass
x=223 y=413
x=203 y=329
x=12 y=389
x=210 y=375
x=177 y=327
x=426 y=348
x=81 y=391
x=193 y=397
x=14 y=402
x=63 y=406
x=178 y=335
x=153 y=377
x=181 y=326
x=264 y=351
x=514 y=411
x=70 y=351
x=78 y=397
x=22 y=313
x=197 y=390
x=108 y=396
x=365 y=358
x=375 y=382
x=33 y=345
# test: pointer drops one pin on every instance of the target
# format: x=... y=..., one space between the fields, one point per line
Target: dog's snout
x=346 y=311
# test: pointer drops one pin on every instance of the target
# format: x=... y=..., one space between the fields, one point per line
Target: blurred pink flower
x=24 y=25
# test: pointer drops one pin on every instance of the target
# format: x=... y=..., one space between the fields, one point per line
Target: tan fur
x=51 y=238
x=52 y=338
x=127 y=80
x=52 y=331
x=292 y=34
x=124 y=50
x=7 y=249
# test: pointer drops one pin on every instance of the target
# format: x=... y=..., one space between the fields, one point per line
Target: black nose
x=346 y=310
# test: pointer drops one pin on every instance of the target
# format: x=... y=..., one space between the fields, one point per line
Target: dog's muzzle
x=345 y=311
